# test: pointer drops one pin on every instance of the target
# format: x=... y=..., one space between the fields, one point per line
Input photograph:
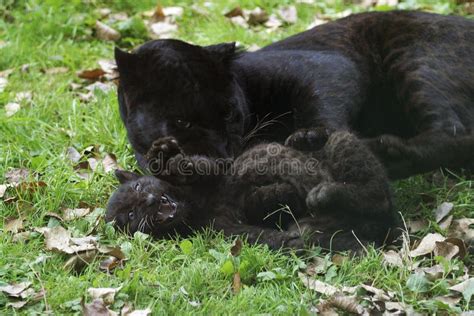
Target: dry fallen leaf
x=427 y=245
x=448 y=299
x=79 y=261
x=289 y=14
x=378 y=294
x=100 y=86
x=71 y=214
x=432 y=273
x=110 y=68
x=345 y=303
x=239 y=20
x=237 y=11
x=316 y=285
x=163 y=29
x=253 y=48
x=15 y=290
x=417 y=225
x=460 y=228
x=60 y=240
x=3 y=84
x=317 y=266
x=92 y=74
x=11 y=108
x=395 y=308
x=173 y=11
x=21 y=237
x=393 y=258
x=236 y=283
x=272 y=23
x=23 y=96
x=445 y=249
x=13 y=225
x=390 y=3
x=442 y=211
x=257 y=16
x=236 y=248
x=96 y=308
x=466 y=288
x=127 y=311
x=105 y=294
x=17 y=175
x=105 y=32
x=109 y=163
x=110 y=263
x=445 y=223
x=3 y=189
x=73 y=154
x=17 y=304
x=55 y=70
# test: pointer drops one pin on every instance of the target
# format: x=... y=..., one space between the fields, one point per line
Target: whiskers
x=145 y=222
x=261 y=124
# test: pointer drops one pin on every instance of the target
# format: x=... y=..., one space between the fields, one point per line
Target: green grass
x=157 y=274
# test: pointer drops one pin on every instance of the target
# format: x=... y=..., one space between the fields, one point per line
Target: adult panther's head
x=172 y=88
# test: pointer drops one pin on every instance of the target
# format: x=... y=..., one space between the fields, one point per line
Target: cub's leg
x=262 y=203
x=308 y=139
x=275 y=239
x=359 y=185
x=166 y=160
x=342 y=233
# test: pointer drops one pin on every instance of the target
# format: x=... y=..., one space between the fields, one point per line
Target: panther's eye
x=164 y=200
x=229 y=116
x=131 y=215
x=183 y=124
x=137 y=186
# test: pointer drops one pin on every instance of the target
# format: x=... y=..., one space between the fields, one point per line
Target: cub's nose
x=150 y=199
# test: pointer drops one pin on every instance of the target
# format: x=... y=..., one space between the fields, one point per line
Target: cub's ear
x=126 y=176
x=124 y=60
x=223 y=51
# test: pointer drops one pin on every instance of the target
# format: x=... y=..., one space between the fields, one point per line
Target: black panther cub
x=269 y=186
x=402 y=80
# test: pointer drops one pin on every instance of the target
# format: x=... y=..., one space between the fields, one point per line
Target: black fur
x=404 y=81
x=326 y=190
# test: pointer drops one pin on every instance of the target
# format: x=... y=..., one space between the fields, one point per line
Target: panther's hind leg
x=424 y=152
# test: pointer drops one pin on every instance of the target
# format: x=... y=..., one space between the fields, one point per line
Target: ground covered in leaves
x=61 y=136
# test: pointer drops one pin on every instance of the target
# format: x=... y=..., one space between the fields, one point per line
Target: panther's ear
x=124 y=60
x=223 y=51
x=126 y=176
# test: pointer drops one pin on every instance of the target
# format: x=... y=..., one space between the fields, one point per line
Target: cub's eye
x=137 y=186
x=183 y=124
x=131 y=215
x=164 y=200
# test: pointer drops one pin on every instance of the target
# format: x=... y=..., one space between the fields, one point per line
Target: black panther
x=274 y=194
x=402 y=80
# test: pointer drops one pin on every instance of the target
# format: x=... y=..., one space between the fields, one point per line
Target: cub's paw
x=291 y=240
x=308 y=139
x=324 y=197
x=161 y=151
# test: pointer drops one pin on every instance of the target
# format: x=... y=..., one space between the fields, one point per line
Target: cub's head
x=148 y=205
x=172 y=88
